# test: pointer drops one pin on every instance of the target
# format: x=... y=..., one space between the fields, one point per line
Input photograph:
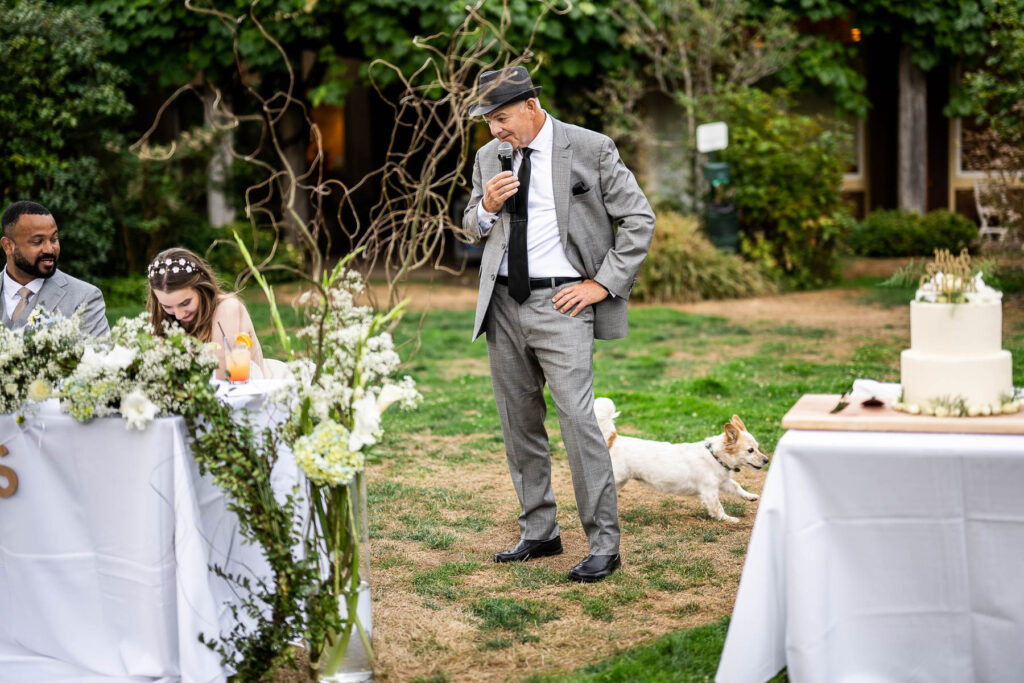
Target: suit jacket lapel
x=561 y=171
x=489 y=168
x=53 y=290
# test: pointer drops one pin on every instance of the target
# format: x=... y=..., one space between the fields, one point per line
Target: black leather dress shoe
x=526 y=550
x=594 y=568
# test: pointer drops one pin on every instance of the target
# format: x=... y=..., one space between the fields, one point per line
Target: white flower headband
x=169 y=265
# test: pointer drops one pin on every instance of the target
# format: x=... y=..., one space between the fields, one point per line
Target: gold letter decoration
x=8 y=474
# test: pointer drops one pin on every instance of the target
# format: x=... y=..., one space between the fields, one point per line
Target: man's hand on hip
x=498 y=189
x=579 y=296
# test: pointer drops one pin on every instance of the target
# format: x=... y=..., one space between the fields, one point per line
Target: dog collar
x=707 y=445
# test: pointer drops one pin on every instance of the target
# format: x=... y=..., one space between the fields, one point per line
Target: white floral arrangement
x=35 y=359
x=137 y=374
x=341 y=389
x=352 y=384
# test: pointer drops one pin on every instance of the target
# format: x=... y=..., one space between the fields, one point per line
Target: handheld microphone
x=505 y=159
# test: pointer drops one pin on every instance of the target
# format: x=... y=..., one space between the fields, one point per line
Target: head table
x=881 y=555
x=106 y=545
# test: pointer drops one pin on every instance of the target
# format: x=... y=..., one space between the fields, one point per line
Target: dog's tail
x=604 y=408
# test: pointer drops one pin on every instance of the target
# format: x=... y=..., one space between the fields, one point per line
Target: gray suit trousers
x=527 y=345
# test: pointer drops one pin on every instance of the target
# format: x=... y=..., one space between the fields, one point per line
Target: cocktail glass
x=236 y=362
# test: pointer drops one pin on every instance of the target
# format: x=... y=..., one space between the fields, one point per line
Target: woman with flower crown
x=183 y=289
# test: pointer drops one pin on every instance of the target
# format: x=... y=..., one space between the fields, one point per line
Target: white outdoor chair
x=989 y=213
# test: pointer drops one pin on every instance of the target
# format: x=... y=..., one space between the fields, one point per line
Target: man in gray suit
x=556 y=271
x=31 y=278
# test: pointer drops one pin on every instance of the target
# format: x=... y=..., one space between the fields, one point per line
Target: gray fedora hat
x=501 y=87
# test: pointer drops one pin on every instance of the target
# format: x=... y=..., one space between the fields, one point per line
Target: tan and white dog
x=703 y=468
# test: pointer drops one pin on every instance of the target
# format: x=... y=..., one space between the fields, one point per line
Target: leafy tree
x=993 y=94
x=60 y=105
x=787 y=171
x=936 y=31
x=693 y=49
x=994 y=91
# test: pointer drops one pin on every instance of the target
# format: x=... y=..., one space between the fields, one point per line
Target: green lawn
x=677 y=377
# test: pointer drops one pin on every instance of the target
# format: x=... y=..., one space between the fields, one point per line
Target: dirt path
x=843 y=310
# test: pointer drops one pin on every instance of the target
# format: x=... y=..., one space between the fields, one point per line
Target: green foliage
x=511 y=614
x=948 y=230
x=689 y=655
x=683 y=265
x=1008 y=278
x=992 y=92
x=787 y=170
x=60 y=100
x=831 y=66
x=936 y=33
x=165 y=44
x=899 y=232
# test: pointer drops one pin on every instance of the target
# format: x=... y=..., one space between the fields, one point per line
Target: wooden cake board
x=813 y=411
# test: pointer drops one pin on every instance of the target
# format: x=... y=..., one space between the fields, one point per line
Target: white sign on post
x=712 y=136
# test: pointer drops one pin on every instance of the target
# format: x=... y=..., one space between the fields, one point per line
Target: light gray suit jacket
x=604 y=219
x=64 y=294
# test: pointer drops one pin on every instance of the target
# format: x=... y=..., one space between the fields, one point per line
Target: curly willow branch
x=410 y=224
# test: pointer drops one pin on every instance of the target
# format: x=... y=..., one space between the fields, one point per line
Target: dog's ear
x=738 y=423
x=731 y=434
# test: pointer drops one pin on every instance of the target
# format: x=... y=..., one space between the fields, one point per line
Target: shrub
x=1007 y=278
x=907 y=233
x=945 y=229
x=684 y=266
x=787 y=172
x=60 y=103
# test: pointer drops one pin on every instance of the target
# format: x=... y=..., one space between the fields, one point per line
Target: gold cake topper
x=956 y=274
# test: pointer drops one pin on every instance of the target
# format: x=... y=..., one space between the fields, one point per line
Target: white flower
x=39 y=390
x=366 y=422
x=138 y=410
x=388 y=395
x=119 y=358
x=91 y=361
x=11 y=388
x=404 y=392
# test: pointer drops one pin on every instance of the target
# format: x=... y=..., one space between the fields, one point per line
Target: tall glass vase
x=347 y=656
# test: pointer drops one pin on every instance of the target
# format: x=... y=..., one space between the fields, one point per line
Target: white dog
x=702 y=468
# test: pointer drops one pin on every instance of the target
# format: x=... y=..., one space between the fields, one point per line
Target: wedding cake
x=956 y=365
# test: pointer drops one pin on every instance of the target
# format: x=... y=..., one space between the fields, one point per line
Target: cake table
x=886 y=547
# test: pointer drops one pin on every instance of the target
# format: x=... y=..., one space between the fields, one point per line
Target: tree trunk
x=293 y=132
x=219 y=210
x=912 y=179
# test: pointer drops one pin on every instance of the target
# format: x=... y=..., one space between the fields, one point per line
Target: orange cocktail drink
x=237 y=358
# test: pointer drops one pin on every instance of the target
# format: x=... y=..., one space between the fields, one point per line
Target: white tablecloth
x=884 y=557
x=104 y=553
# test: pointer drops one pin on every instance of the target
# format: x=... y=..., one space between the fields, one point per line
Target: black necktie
x=518 y=264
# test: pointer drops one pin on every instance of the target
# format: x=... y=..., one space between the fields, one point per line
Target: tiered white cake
x=956 y=364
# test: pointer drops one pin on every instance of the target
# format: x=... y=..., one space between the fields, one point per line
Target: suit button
x=492 y=277
x=502 y=245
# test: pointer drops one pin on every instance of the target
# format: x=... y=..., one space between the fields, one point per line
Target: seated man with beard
x=32 y=279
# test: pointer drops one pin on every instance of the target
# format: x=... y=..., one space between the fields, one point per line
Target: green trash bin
x=722 y=226
x=723 y=229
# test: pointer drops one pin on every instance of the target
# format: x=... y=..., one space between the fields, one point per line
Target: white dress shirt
x=10 y=292
x=543 y=241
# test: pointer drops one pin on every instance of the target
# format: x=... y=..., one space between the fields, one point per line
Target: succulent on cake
x=953 y=280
